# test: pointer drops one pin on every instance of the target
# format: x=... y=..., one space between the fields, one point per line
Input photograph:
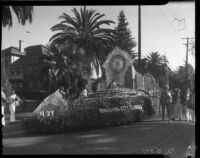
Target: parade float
x=114 y=103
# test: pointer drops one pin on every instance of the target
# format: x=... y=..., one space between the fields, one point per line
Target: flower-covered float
x=114 y=103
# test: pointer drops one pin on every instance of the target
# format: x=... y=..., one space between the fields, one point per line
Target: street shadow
x=97 y=141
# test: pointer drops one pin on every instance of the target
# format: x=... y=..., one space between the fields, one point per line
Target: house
x=22 y=67
x=10 y=56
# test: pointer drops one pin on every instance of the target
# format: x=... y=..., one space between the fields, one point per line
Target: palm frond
x=6 y=16
x=23 y=14
x=85 y=33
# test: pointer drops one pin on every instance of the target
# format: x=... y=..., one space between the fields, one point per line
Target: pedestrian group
x=178 y=103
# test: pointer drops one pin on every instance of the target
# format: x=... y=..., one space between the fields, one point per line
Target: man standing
x=165 y=101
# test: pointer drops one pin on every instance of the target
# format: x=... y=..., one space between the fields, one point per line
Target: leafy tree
x=174 y=81
x=63 y=71
x=192 y=48
x=86 y=35
x=123 y=35
x=182 y=75
x=182 y=72
x=23 y=13
x=177 y=78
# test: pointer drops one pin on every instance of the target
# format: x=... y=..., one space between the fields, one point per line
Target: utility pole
x=139 y=34
x=187 y=46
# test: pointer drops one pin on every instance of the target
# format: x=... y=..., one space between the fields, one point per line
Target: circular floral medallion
x=117 y=64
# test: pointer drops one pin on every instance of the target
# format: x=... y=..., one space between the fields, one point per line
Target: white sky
x=160 y=32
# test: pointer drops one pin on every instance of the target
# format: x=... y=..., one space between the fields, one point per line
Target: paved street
x=148 y=137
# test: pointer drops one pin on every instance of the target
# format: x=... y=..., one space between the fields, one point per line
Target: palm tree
x=23 y=13
x=157 y=65
x=141 y=67
x=63 y=70
x=86 y=35
x=156 y=58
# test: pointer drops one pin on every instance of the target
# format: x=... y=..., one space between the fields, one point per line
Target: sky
x=162 y=27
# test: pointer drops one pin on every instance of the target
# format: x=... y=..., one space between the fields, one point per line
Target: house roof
x=44 y=50
x=30 y=54
x=12 y=51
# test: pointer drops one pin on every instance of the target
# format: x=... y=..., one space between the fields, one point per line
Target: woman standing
x=13 y=101
x=3 y=104
x=184 y=101
x=173 y=93
x=177 y=105
x=191 y=107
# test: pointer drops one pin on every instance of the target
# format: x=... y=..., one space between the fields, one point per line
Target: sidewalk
x=22 y=115
x=19 y=116
x=137 y=138
x=15 y=130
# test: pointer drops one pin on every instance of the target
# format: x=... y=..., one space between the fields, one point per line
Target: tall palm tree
x=157 y=65
x=86 y=34
x=156 y=58
x=23 y=13
x=141 y=67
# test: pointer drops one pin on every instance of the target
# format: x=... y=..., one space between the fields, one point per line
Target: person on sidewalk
x=13 y=101
x=172 y=105
x=191 y=108
x=165 y=101
x=184 y=101
x=177 y=105
x=3 y=105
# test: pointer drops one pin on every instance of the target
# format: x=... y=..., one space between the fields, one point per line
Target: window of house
x=35 y=68
x=12 y=71
x=21 y=85
x=29 y=69
x=18 y=70
x=31 y=84
x=14 y=85
x=6 y=63
x=14 y=58
x=17 y=85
